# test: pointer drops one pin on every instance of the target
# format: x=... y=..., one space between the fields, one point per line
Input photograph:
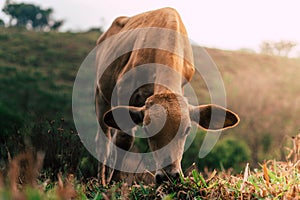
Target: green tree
x=56 y=25
x=31 y=16
x=266 y=48
x=281 y=48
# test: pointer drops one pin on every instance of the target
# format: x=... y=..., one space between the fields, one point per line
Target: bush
x=10 y=122
x=227 y=153
x=62 y=146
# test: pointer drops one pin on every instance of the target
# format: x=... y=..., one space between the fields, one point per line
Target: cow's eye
x=187 y=130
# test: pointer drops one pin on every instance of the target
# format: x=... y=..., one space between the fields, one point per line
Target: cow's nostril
x=176 y=175
x=159 y=178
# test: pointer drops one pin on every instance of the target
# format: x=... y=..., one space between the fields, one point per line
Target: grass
x=272 y=180
x=275 y=180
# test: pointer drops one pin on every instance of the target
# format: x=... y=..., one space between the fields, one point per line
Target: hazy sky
x=226 y=24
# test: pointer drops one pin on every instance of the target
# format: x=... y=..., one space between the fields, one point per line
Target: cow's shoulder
x=162 y=18
x=115 y=28
x=168 y=11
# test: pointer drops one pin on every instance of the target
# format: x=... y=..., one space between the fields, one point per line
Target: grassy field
x=272 y=180
x=37 y=71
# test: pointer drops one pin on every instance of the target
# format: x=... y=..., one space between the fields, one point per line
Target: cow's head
x=173 y=115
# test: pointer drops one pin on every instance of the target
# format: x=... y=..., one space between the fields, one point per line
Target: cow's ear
x=124 y=117
x=213 y=117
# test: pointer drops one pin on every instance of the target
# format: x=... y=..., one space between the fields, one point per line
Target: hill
x=37 y=71
x=263 y=90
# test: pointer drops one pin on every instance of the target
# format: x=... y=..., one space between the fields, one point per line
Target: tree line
x=280 y=48
x=30 y=16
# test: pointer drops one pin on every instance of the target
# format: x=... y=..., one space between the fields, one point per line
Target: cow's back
x=163 y=19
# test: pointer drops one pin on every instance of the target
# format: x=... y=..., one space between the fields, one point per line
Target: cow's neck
x=167 y=83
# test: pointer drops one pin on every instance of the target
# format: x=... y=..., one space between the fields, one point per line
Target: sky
x=224 y=24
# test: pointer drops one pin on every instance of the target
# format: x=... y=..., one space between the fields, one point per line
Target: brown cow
x=160 y=101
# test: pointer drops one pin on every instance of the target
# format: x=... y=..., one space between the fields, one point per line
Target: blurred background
x=253 y=43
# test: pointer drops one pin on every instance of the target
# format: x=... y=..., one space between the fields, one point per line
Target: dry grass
x=21 y=181
x=276 y=180
x=273 y=180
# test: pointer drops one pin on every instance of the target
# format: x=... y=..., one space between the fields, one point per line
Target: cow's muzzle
x=162 y=176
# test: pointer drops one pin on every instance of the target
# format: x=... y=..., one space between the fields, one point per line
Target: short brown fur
x=147 y=101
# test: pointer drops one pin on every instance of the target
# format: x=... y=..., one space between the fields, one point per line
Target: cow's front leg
x=124 y=141
x=102 y=149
